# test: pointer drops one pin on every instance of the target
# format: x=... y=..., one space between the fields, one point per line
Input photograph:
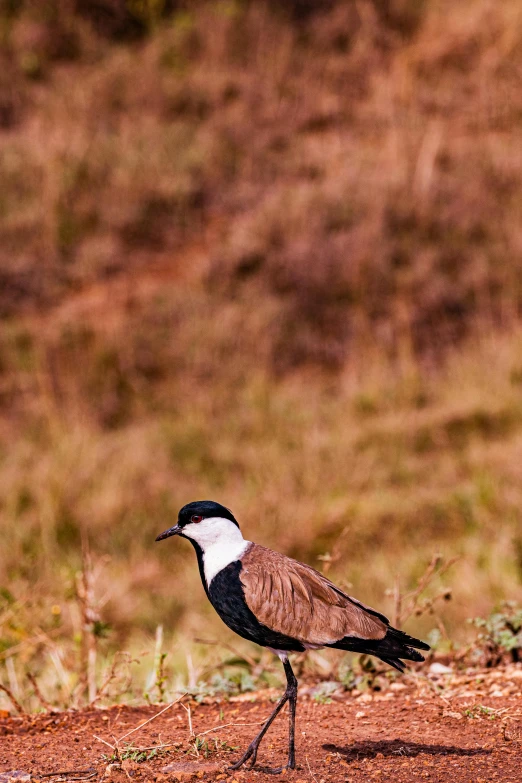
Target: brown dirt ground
x=406 y=734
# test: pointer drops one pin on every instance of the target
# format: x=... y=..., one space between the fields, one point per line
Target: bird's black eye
x=196 y=518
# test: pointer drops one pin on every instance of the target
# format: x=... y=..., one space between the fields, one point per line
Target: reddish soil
x=397 y=736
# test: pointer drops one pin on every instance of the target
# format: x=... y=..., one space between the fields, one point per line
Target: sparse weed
x=500 y=635
x=323 y=692
x=206 y=747
x=133 y=753
x=224 y=685
x=415 y=603
x=480 y=711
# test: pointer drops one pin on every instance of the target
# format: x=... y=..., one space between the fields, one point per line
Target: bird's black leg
x=290 y=695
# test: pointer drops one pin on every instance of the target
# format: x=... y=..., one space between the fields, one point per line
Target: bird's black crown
x=205 y=509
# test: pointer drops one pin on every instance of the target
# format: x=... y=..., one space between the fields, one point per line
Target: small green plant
x=161 y=677
x=206 y=747
x=347 y=676
x=225 y=685
x=480 y=711
x=133 y=753
x=324 y=690
x=500 y=635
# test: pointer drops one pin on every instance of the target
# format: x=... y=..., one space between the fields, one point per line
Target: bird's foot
x=274 y=770
x=266 y=770
x=251 y=751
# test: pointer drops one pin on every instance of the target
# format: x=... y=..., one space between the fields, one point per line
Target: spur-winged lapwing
x=281 y=604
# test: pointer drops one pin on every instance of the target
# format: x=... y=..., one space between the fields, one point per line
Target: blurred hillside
x=268 y=256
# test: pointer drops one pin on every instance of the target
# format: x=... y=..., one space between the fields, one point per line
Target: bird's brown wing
x=296 y=600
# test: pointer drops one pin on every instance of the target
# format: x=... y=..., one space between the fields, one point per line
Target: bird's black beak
x=172 y=531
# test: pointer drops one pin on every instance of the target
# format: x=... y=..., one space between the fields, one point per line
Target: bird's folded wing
x=296 y=600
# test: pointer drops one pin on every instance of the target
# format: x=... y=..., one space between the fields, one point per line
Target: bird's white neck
x=220 y=541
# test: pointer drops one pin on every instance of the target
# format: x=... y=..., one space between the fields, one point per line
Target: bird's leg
x=254 y=745
x=290 y=694
x=291 y=689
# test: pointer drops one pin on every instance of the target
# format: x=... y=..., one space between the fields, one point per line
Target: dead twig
x=158 y=678
x=176 y=701
x=425 y=579
x=113 y=747
x=43 y=701
x=120 y=658
x=116 y=746
x=407 y=604
x=13 y=699
x=310 y=770
x=402 y=751
x=225 y=725
x=189 y=718
x=90 y=619
x=89 y=772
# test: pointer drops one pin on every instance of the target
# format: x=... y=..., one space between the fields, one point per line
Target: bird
x=282 y=604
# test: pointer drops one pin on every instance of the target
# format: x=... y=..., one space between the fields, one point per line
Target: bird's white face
x=220 y=540
x=213 y=530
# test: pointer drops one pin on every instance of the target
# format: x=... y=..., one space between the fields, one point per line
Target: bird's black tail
x=394 y=646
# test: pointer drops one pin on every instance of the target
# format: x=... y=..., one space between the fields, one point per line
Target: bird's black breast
x=226 y=593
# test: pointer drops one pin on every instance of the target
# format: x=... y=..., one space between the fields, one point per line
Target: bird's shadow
x=397 y=748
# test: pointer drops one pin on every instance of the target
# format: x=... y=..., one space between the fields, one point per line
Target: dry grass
x=362 y=171
x=374 y=476
x=239 y=259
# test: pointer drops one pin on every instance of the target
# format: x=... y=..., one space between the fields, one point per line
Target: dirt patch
x=397 y=736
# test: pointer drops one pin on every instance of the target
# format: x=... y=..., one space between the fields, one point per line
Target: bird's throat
x=220 y=554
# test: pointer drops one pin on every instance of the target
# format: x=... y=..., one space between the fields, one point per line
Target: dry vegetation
x=268 y=257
